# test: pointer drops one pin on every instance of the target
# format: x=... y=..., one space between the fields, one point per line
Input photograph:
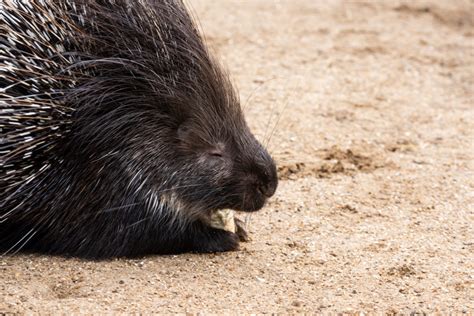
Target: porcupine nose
x=268 y=186
x=267 y=189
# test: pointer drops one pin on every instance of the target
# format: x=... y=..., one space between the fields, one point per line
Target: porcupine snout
x=261 y=182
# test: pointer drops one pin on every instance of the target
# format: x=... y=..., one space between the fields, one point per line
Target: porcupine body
x=120 y=134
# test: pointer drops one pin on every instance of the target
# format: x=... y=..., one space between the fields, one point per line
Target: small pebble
x=296 y=303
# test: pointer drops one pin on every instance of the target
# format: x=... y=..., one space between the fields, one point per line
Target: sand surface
x=368 y=109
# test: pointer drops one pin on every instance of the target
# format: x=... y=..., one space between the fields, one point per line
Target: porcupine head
x=152 y=141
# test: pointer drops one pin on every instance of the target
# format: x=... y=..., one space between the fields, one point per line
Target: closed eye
x=215 y=154
x=216 y=151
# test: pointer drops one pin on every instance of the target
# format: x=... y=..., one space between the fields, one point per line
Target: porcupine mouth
x=225 y=218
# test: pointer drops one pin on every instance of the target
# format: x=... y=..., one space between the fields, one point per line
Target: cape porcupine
x=120 y=134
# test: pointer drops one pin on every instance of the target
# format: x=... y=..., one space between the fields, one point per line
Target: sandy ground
x=373 y=107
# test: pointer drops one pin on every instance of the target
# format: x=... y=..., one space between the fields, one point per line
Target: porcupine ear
x=183 y=131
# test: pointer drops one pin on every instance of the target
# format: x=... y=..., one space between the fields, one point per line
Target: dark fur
x=138 y=138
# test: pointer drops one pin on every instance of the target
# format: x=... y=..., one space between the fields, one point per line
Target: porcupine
x=120 y=133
